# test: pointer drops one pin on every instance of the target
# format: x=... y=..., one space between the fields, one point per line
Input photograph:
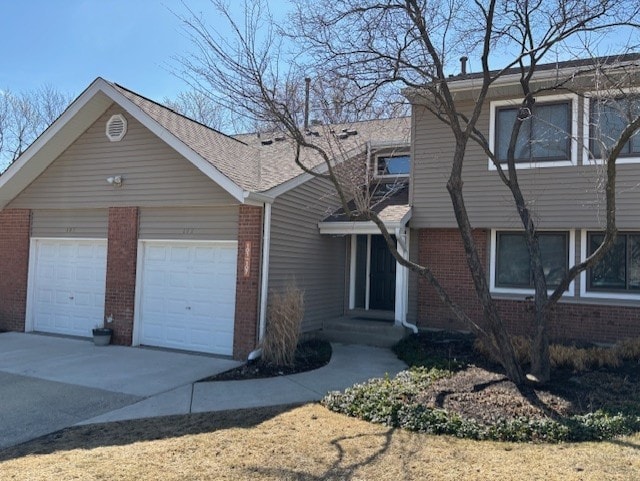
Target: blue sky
x=68 y=43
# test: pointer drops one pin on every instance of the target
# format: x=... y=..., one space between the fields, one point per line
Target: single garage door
x=68 y=285
x=187 y=297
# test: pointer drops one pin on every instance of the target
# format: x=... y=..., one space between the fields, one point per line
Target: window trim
x=584 y=292
x=570 y=292
x=586 y=127
x=376 y=164
x=495 y=105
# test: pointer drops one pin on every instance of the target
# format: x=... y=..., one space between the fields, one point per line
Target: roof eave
x=44 y=150
x=362 y=227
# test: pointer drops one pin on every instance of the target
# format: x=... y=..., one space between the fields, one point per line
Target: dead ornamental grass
x=305 y=443
x=284 y=316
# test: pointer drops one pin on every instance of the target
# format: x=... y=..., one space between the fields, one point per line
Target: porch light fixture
x=115 y=181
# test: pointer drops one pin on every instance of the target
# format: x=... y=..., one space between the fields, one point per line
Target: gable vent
x=116 y=128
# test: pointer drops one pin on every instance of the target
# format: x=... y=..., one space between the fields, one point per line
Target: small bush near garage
x=455 y=390
x=284 y=316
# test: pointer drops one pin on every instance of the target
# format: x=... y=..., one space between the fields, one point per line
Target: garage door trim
x=29 y=325
x=136 y=334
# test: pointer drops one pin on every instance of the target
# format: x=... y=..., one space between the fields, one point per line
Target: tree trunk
x=540 y=361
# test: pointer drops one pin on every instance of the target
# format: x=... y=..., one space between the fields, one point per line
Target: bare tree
x=376 y=48
x=198 y=106
x=24 y=116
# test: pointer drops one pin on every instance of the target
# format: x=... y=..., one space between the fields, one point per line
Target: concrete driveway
x=48 y=383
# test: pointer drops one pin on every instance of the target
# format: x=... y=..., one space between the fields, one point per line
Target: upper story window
x=547 y=136
x=607 y=118
x=393 y=165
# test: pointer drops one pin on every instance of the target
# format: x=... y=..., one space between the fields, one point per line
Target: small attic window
x=116 y=128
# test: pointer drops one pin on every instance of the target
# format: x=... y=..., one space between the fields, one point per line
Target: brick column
x=247 y=280
x=122 y=252
x=15 y=230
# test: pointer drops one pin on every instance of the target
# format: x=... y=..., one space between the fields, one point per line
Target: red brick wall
x=247 y=281
x=442 y=251
x=122 y=251
x=15 y=229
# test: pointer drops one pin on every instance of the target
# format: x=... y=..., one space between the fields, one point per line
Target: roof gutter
x=414 y=94
x=257 y=198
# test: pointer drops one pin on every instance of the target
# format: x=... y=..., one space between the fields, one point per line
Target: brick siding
x=247 y=281
x=15 y=229
x=442 y=251
x=122 y=251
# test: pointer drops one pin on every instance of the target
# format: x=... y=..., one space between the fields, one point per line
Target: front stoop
x=366 y=332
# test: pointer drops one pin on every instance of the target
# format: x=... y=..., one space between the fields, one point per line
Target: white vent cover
x=116 y=128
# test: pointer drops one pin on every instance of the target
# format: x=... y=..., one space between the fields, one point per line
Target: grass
x=301 y=443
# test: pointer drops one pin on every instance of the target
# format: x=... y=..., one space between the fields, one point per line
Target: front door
x=382 y=289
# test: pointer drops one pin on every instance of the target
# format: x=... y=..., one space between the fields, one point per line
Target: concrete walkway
x=48 y=383
x=350 y=364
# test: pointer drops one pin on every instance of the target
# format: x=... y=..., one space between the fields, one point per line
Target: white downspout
x=264 y=284
x=404 y=252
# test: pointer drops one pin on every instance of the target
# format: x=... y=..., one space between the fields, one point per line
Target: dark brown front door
x=382 y=287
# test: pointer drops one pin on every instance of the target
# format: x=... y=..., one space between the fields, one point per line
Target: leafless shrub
x=578 y=359
x=284 y=316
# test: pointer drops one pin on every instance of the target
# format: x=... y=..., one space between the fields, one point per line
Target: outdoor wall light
x=115 y=181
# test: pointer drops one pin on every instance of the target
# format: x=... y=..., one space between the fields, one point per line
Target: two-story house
x=174 y=234
x=581 y=108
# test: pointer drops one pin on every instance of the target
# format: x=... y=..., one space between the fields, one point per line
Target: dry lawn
x=303 y=443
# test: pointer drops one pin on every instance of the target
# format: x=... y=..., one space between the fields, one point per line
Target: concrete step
x=368 y=333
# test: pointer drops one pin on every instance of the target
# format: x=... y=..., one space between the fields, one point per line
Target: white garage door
x=68 y=285
x=187 y=297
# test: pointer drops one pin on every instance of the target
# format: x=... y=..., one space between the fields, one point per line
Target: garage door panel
x=196 y=283
x=68 y=285
x=179 y=254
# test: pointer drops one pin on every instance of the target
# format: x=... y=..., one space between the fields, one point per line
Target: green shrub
x=393 y=402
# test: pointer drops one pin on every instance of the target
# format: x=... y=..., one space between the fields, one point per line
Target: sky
x=68 y=43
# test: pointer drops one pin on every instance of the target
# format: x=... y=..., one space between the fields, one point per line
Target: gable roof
x=277 y=159
x=242 y=165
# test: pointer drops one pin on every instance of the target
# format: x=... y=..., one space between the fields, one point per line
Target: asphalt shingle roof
x=256 y=166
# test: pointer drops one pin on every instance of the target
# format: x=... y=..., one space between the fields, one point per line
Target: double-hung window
x=512 y=263
x=547 y=135
x=619 y=269
x=608 y=118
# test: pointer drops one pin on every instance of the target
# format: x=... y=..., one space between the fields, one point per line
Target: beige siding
x=560 y=197
x=189 y=223
x=154 y=174
x=299 y=253
x=79 y=223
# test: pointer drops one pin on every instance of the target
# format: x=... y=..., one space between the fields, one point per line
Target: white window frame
x=570 y=292
x=586 y=126
x=496 y=104
x=583 y=276
x=391 y=176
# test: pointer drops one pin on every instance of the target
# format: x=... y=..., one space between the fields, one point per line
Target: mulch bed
x=479 y=390
x=310 y=355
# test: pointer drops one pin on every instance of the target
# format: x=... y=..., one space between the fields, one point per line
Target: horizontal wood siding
x=189 y=223
x=72 y=223
x=299 y=253
x=154 y=174
x=560 y=197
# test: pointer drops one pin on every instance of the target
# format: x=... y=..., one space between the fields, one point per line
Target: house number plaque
x=247 y=259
